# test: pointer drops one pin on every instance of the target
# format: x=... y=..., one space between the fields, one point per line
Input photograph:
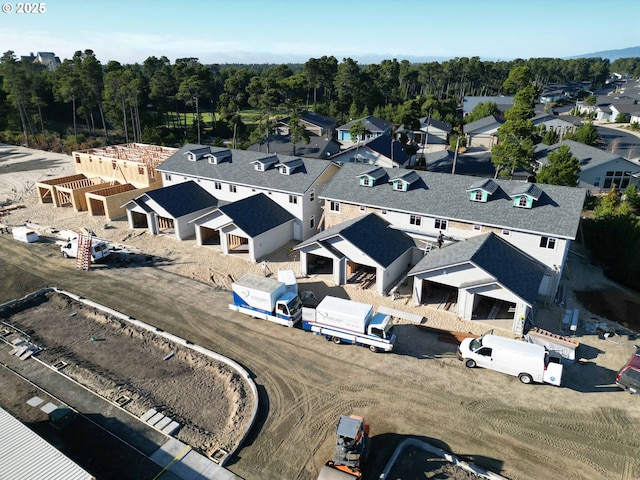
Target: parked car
x=628 y=377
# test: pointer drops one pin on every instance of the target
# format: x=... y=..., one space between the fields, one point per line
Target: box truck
x=266 y=298
x=527 y=361
x=99 y=249
x=24 y=234
x=346 y=321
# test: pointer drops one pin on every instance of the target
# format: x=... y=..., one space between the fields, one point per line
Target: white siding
x=271 y=240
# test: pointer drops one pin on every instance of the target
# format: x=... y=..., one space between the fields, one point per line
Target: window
x=312 y=221
x=259 y=167
x=477 y=228
x=596 y=182
x=232 y=188
x=383 y=212
x=485 y=351
x=366 y=181
x=293 y=199
x=506 y=233
x=167 y=177
x=334 y=206
x=440 y=224
x=140 y=170
x=400 y=186
x=478 y=196
x=312 y=196
x=217 y=186
x=363 y=208
x=522 y=201
x=77 y=158
x=415 y=220
x=548 y=242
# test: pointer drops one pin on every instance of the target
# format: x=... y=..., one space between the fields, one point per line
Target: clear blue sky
x=277 y=31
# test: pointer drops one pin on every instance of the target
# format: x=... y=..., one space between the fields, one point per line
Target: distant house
x=503 y=102
x=599 y=169
x=628 y=110
x=483 y=133
x=48 y=59
x=561 y=125
x=383 y=151
x=430 y=132
x=374 y=125
x=318 y=147
x=314 y=123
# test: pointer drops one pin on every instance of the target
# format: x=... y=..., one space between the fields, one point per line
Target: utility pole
x=455 y=156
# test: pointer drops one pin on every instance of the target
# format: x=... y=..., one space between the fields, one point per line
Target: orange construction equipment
x=351 y=450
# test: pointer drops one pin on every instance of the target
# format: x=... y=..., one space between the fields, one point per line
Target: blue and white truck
x=346 y=321
x=266 y=298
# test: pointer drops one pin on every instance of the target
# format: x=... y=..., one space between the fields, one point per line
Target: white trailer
x=24 y=234
x=527 y=361
x=346 y=321
x=266 y=298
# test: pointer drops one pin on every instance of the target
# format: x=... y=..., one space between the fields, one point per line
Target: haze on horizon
x=290 y=31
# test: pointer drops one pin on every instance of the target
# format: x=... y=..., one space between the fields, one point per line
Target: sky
x=283 y=31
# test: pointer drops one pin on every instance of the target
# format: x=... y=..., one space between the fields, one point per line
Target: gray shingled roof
x=482 y=123
x=371 y=123
x=240 y=171
x=486 y=184
x=318 y=147
x=441 y=195
x=512 y=268
x=370 y=234
x=180 y=199
x=588 y=156
x=444 y=126
x=256 y=214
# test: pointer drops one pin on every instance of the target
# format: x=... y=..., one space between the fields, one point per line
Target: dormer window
x=365 y=182
x=288 y=168
x=482 y=190
x=525 y=194
x=522 y=202
x=218 y=157
x=191 y=156
x=400 y=186
x=478 y=196
x=259 y=167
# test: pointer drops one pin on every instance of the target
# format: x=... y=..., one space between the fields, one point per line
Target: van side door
x=484 y=357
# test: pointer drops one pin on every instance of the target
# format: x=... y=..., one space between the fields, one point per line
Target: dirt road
x=305 y=382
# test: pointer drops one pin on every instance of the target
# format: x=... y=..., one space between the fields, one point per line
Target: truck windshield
x=294 y=305
x=475 y=344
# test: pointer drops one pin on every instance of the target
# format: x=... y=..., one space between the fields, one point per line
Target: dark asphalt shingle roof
x=483 y=123
x=370 y=234
x=441 y=195
x=371 y=123
x=318 y=147
x=256 y=214
x=510 y=267
x=588 y=156
x=180 y=199
x=439 y=124
x=239 y=170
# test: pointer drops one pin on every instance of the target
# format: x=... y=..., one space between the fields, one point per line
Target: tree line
x=165 y=103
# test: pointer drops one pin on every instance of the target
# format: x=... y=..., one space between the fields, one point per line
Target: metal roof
x=27 y=455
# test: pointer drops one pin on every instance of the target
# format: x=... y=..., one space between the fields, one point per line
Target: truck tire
x=373 y=348
x=470 y=363
x=525 y=378
x=336 y=340
x=65 y=254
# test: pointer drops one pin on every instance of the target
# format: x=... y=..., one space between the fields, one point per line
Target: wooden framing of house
x=133 y=163
x=46 y=190
x=74 y=193
x=109 y=201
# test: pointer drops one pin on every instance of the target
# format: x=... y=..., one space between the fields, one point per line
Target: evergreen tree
x=563 y=168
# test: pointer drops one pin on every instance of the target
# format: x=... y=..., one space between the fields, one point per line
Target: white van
x=529 y=362
x=99 y=249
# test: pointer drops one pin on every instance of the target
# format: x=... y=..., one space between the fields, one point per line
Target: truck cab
x=381 y=326
x=289 y=306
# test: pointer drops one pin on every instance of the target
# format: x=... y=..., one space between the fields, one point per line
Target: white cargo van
x=529 y=362
x=99 y=249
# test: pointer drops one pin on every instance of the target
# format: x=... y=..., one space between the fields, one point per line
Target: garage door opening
x=493 y=309
x=236 y=244
x=438 y=295
x=139 y=220
x=165 y=225
x=210 y=236
x=318 y=265
x=96 y=206
x=362 y=275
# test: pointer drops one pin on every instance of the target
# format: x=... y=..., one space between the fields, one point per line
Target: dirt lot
x=118 y=360
x=584 y=430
